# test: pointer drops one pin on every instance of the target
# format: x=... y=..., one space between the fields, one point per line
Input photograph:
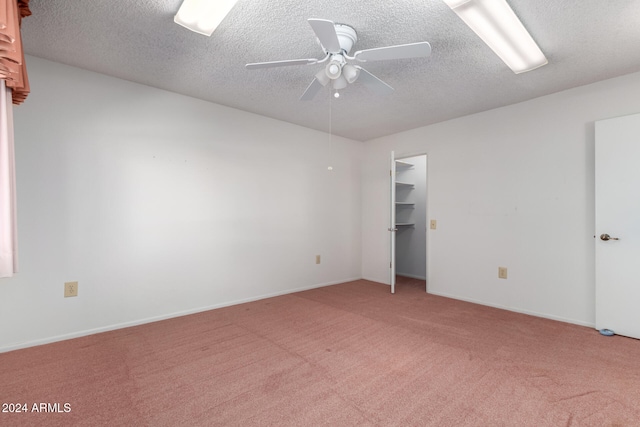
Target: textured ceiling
x=584 y=40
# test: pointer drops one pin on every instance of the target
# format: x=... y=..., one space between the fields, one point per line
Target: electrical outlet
x=317 y=259
x=502 y=272
x=433 y=224
x=70 y=289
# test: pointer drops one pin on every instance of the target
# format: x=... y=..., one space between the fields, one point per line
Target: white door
x=617 y=238
x=392 y=224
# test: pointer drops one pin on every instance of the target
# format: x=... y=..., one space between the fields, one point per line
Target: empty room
x=283 y=213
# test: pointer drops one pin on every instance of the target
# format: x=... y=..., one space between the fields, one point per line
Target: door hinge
x=390 y=266
x=390 y=172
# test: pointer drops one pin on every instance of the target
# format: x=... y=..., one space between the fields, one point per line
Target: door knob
x=606 y=237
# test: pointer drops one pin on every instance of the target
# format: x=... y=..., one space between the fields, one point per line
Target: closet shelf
x=403 y=165
x=405 y=204
x=404 y=184
x=404 y=224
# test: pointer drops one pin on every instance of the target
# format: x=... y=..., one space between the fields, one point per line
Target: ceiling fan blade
x=312 y=90
x=412 y=50
x=256 y=65
x=326 y=32
x=374 y=83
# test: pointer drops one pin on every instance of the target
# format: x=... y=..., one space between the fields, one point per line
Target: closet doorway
x=408 y=226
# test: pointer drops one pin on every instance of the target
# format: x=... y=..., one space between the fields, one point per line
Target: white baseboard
x=516 y=310
x=375 y=281
x=108 y=328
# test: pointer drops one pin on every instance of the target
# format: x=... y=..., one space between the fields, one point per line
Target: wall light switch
x=70 y=289
x=317 y=259
x=433 y=224
x=502 y=272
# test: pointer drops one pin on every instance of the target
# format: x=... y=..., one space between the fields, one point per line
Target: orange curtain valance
x=12 y=65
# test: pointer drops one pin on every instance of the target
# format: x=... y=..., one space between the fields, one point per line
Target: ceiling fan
x=336 y=41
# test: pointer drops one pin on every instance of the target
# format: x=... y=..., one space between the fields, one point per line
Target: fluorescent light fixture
x=500 y=28
x=203 y=16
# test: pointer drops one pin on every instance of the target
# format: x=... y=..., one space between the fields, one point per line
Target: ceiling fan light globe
x=350 y=73
x=322 y=77
x=333 y=70
x=340 y=83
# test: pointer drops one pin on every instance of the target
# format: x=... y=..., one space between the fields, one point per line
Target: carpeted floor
x=345 y=355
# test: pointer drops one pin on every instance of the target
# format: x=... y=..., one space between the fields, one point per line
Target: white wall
x=160 y=204
x=411 y=242
x=510 y=187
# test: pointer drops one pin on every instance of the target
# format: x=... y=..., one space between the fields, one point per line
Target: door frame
x=391 y=201
x=393 y=229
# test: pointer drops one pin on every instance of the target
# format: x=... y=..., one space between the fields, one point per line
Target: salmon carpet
x=344 y=355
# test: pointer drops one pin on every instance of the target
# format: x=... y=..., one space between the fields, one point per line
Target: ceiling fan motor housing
x=347 y=37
